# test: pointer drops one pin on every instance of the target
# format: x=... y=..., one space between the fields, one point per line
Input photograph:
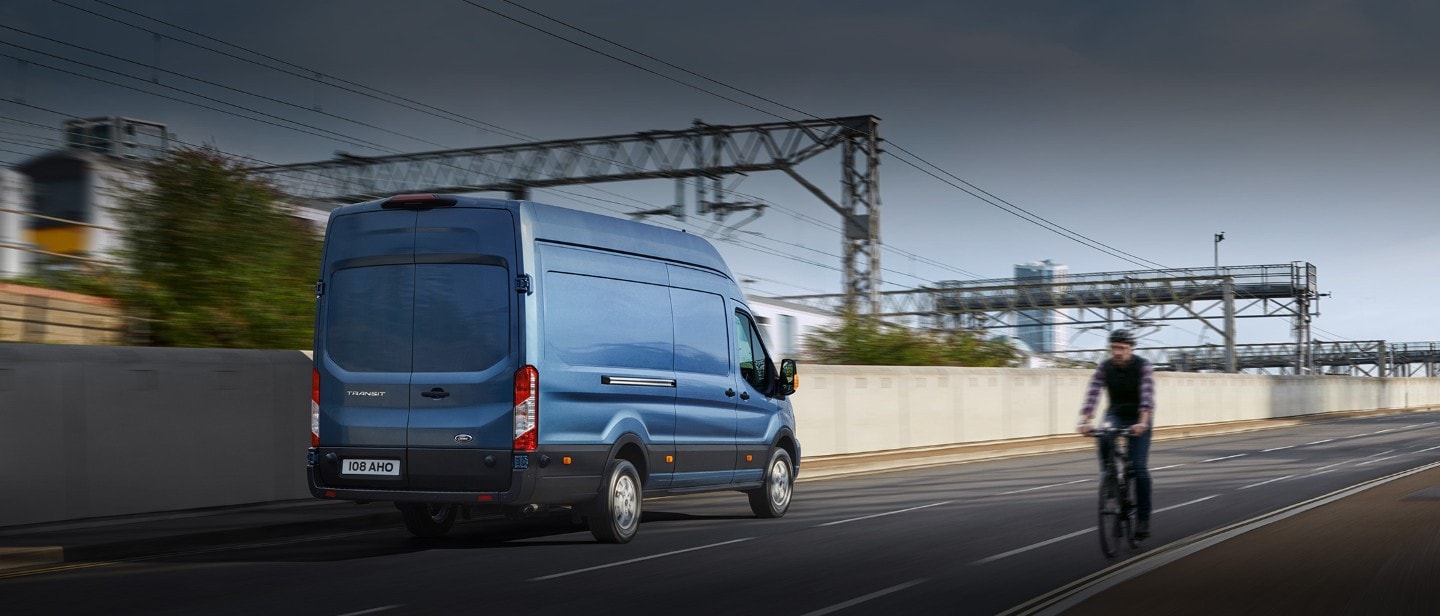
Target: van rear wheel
x=615 y=515
x=772 y=500
x=428 y=520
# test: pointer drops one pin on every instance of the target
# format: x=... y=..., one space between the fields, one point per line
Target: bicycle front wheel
x=1110 y=515
x=1130 y=510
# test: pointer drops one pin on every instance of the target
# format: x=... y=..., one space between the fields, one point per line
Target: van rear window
x=431 y=317
x=369 y=318
x=462 y=317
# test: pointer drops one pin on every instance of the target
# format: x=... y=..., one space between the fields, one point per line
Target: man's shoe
x=1142 y=529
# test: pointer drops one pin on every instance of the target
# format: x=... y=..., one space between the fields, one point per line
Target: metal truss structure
x=705 y=151
x=1134 y=298
x=1353 y=357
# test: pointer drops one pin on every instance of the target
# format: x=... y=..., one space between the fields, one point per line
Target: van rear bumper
x=543 y=484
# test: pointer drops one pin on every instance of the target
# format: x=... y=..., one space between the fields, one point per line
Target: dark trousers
x=1139 y=461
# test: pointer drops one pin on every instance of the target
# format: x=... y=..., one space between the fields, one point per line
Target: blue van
x=517 y=357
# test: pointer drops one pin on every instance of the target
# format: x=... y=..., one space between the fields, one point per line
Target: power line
x=1014 y=209
x=200 y=80
x=503 y=130
x=333 y=135
x=308 y=75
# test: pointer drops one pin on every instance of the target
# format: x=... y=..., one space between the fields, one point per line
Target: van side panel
x=607 y=358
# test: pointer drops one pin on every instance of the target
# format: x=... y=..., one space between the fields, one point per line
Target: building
x=75 y=192
x=15 y=255
x=1042 y=331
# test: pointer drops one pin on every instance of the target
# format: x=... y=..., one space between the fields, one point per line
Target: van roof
x=569 y=226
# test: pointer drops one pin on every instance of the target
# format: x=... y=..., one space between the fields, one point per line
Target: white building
x=14 y=204
x=1043 y=331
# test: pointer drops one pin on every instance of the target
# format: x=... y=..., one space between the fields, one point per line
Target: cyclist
x=1130 y=383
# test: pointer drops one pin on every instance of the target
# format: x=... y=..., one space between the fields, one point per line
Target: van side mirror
x=788 y=376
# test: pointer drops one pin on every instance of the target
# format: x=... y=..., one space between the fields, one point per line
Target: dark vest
x=1123 y=386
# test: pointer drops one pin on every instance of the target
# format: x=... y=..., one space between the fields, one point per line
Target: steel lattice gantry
x=1134 y=297
x=1351 y=357
x=703 y=151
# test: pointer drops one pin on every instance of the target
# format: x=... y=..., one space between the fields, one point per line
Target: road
x=977 y=538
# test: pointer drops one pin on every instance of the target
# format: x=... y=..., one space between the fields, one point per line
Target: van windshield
x=433 y=317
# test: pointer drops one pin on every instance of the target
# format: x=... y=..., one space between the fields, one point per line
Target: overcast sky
x=1306 y=131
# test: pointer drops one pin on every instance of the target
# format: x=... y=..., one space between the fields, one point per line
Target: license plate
x=371 y=468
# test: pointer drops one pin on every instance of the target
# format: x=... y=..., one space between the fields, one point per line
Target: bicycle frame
x=1117 y=494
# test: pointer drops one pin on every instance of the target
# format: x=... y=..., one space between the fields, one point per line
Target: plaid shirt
x=1097 y=384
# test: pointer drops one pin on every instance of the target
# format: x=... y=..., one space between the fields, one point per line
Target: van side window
x=753 y=360
x=701 y=340
x=581 y=335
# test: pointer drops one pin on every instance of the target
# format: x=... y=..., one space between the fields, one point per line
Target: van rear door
x=466 y=349
x=419 y=346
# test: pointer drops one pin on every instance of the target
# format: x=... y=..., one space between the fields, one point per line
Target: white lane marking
x=1318 y=442
x=1353 y=460
x=1317 y=473
x=1053 y=485
x=1224 y=458
x=1166 y=467
x=371 y=610
x=1256 y=485
x=1171 y=507
x=1073 y=535
x=1275 y=449
x=858 y=600
x=636 y=560
x=881 y=515
x=1384 y=431
x=1338 y=464
x=1032 y=546
x=1428 y=449
x=1377 y=460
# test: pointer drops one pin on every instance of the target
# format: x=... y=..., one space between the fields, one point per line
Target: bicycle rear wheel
x=1109 y=515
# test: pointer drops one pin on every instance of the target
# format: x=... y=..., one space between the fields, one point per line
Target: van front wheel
x=428 y=520
x=772 y=500
x=615 y=515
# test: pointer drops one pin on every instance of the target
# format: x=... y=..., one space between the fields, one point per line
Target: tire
x=772 y=500
x=427 y=520
x=1110 y=518
x=1131 y=511
x=615 y=515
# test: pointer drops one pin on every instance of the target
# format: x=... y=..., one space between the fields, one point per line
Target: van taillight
x=314 y=407
x=527 y=409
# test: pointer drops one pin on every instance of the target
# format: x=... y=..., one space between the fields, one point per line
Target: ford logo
x=463 y=438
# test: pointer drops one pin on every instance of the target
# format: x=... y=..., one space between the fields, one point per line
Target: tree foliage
x=212 y=259
x=868 y=341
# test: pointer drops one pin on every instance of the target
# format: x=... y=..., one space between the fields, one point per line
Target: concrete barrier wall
x=101 y=431
x=854 y=409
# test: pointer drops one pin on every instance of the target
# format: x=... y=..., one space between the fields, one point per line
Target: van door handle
x=729 y=393
x=744 y=395
x=436 y=393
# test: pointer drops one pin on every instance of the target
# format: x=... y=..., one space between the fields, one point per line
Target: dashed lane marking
x=881 y=515
x=636 y=560
x=858 y=600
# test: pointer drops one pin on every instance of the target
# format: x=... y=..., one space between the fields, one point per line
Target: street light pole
x=1219 y=237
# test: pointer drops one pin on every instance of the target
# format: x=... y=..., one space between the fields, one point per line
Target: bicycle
x=1117 y=494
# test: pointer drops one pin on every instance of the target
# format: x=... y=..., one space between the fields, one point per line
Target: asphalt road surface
x=977 y=538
